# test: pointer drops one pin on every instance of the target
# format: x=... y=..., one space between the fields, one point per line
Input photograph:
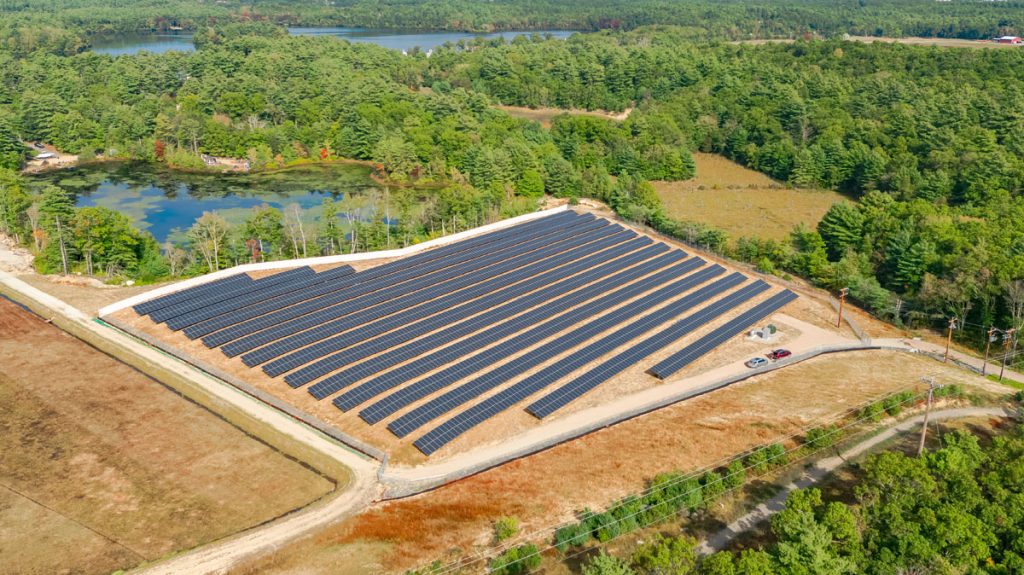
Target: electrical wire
x=466 y=562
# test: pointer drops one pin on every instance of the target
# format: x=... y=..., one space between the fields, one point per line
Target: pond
x=166 y=203
x=119 y=44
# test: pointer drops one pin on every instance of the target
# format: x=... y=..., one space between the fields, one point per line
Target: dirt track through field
x=821 y=469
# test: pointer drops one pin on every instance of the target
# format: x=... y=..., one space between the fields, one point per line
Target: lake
x=120 y=44
x=166 y=203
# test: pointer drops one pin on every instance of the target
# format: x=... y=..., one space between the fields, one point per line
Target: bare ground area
x=815 y=315
x=545 y=115
x=911 y=41
x=594 y=470
x=104 y=468
x=741 y=201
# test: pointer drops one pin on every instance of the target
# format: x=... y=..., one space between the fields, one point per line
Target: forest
x=925 y=141
x=69 y=26
x=956 y=510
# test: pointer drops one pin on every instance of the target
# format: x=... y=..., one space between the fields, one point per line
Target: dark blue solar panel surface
x=461 y=312
x=308 y=313
x=737 y=325
x=394 y=272
x=496 y=307
x=462 y=422
x=562 y=396
x=625 y=314
x=547 y=325
x=152 y=305
x=257 y=294
x=432 y=285
x=175 y=311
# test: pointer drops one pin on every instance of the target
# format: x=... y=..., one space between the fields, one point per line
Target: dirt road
x=220 y=556
x=822 y=468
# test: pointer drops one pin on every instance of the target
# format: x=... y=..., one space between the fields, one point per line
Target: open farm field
x=104 y=468
x=741 y=201
x=545 y=488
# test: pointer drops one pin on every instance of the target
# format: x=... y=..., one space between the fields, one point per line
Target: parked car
x=38 y=146
x=777 y=354
x=756 y=362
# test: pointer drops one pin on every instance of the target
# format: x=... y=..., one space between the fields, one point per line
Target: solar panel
x=504 y=399
x=496 y=307
x=544 y=322
x=321 y=321
x=384 y=288
x=465 y=306
x=562 y=396
x=684 y=357
x=196 y=303
x=152 y=305
x=624 y=314
x=257 y=294
x=395 y=272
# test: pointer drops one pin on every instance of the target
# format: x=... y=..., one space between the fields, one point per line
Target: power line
x=482 y=555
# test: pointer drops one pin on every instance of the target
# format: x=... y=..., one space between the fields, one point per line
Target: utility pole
x=949 y=338
x=927 y=411
x=988 y=345
x=842 y=300
x=1007 y=338
x=63 y=250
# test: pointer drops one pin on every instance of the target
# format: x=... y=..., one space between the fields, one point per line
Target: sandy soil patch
x=547 y=487
x=91 y=445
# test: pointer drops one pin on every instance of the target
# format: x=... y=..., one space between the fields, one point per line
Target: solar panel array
x=465 y=331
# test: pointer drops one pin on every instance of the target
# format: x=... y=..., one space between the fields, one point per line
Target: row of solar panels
x=465 y=307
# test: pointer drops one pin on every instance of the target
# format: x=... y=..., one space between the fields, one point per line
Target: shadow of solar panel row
x=261 y=293
x=330 y=320
x=479 y=314
x=498 y=293
x=199 y=302
x=400 y=311
x=148 y=307
x=569 y=392
x=462 y=422
x=625 y=314
x=734 y=327
x=393 y=285
x=393 y=272
x=544 y=321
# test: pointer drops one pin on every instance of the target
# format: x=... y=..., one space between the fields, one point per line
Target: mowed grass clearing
x=104 y=468
x=741 y=201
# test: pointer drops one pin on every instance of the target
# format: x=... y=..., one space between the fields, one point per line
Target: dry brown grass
x=545 y=115
x=611 y=463
x=741 y=201
x=103 y=467
x=912 y=41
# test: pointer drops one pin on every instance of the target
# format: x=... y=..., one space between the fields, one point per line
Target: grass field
x=910 y=41
x=603 y=466
x=104 y=468
x=741 y=201
x=545 y=115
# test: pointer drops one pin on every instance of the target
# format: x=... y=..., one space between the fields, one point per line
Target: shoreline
x=230 y=173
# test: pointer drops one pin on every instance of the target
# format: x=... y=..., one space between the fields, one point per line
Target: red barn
x=1007 y=39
